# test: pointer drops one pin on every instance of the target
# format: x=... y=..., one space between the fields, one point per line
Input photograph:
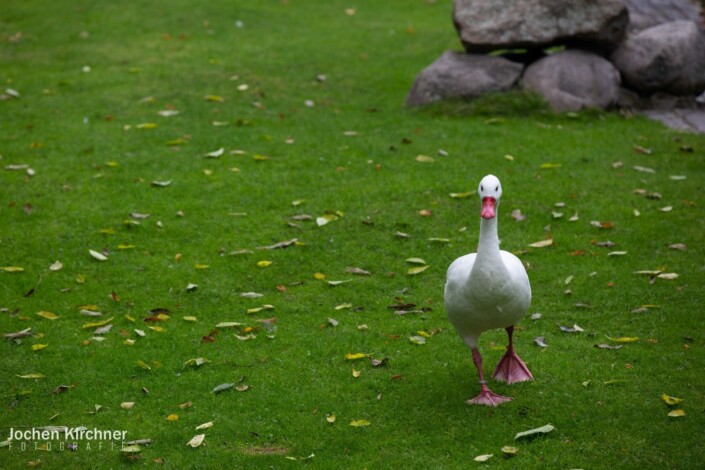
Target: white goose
x=486 y=290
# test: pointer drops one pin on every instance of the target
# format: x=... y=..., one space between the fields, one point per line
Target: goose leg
x=511 y=368
x=486 y=396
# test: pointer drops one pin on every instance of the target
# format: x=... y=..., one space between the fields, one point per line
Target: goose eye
x=496 y=189
x=482 y=188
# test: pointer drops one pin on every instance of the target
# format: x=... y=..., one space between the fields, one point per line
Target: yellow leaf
x=260 y=158
x=97 y=323
x=356 y=373
x=201 y=266
x=207 y=425
x=162 y=317
x=147 y=125
x=80 y=279
x=190 y=318
x=542 y=243
x=353 y=357
x=676 y=413
x=319 y=276
x=125 y=247
x=196 y=361
x=483 y=458
x=214 y=98
x=331 y=418
x=671 y=400
x=550 y=166
x=38 y=347
x=424 y=159
x=172 y=417
x=461 y=195
x=127 y=405
x=624 y=339
x=359 y=423
x=509 y=451
x=47 y=315
x=158 y=329
x=263 y=263
x=416 y=270
x=343 y=306
x=32 y=376
x=12 y=269
x=143 y=365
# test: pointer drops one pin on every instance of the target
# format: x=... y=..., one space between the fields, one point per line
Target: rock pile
x=602 y=60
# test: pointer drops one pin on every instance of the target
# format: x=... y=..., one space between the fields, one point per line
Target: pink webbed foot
x=488 y=397
x=511 y=369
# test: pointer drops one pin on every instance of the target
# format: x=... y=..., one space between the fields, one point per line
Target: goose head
x=490 y=190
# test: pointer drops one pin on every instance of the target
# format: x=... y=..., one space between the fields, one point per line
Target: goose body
x=487 y=290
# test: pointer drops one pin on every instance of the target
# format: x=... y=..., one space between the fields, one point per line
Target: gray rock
x=669 y=57
x=458 y=75
x=504 y=24
x=574 y=79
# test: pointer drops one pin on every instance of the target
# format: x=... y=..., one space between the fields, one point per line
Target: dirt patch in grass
x=265 y=450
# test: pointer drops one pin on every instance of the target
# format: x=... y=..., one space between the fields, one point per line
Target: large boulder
x=669 y=57
x=458 y=75
x=505 y=24
x=574 y=79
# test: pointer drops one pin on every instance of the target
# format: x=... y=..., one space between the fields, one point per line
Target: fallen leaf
x=608 y=346
x=331 y=418
x=48 y=315
x=416 y=270
x=18 y=334
x=86 y=326
x=196 y=440
x=207 y=425
x=39 y=347
x=416 y=261
x=32 y=376
x=420 y=340
x=668 y=276
x=337 y=283
x=97 y=255
x=222 y=387
x=280 y=245
x=424 y=159
x=574 y=329
x=462 y=195
x=534 y=432
x=358 y=271
x=196 y=362
x=518 y=216
x=643 y=169
x=12 y=269
x=161 y=184
x=172 y=417
x=617 y=253
x=354 y=356
x=678 y=246
x=127 y=405
x=624 y=339
x=215 y=153
x=540 y=341
x=359 y=423
x=483 y=458
x=509 y=451
x=677 y=413
x=670 y=400
x=542 y=243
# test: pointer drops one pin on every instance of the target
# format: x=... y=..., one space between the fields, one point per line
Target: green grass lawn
x=245 y=77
